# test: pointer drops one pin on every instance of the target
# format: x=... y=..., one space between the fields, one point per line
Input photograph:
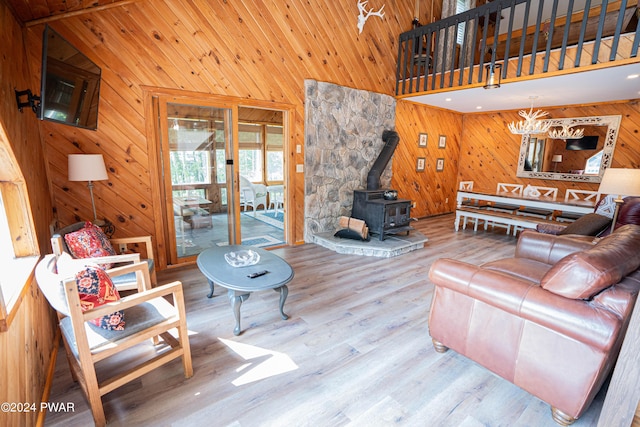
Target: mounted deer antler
x=362 y=18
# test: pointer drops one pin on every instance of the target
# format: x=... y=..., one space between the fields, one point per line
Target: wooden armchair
x=148 y=315
x=128 y=250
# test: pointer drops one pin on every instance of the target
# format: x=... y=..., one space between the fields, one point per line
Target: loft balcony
x=519 y=40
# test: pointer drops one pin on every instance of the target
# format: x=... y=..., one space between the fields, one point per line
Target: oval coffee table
x=236 y=280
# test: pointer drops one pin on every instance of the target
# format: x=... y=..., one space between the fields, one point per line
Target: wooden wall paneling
x=433 y=191
x=28 y=342
x=490 y=152
x=256 y=50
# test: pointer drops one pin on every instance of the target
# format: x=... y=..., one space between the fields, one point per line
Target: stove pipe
x=391 y=139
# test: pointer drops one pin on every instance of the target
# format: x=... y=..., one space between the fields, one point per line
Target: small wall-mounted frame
x=442 y=141
x=420 y=164
x=422 y=140
x=440 y=164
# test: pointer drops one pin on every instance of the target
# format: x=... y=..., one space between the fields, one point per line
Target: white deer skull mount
x=362 y=18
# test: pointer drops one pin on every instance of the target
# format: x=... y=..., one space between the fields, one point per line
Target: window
x=6 y=249
x=592 y=165
x=461 y=6
x=275 y=154
x=250 y=153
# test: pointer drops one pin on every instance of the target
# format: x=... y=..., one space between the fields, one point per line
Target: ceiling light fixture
x=530 y=125
x=566 y=132
x=493 y=76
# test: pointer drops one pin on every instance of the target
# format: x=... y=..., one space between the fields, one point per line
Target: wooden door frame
x=153 y=132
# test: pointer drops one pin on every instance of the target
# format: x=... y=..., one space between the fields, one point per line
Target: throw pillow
x=95 y=288
x=606 y=206
x=89 y=242
x=588 y=225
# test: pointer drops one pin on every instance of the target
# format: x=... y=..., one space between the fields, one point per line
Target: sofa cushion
x=588 y=225
x=582 y=275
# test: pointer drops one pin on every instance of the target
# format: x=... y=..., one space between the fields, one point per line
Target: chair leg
x=93 y=395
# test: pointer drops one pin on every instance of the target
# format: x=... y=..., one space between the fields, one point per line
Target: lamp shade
x=621 y=182
x=87 y=167
x=557 y=158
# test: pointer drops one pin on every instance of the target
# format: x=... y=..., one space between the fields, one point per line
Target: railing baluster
x=435 y=58
x=596 y=45
x=523 y=37
x=463 y=52
x=565 y=38
x=476 y=23
x=507 y=48
x=536 y=34
x=616 y=36
x=583 y=30
x=552 y=24
x=636 y=41
x=453 y=53
x=483 y=45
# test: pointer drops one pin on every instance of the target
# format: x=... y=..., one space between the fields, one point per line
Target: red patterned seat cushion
x=89 y=242
x=95 y=289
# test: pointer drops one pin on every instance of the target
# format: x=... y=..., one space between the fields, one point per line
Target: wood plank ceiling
x=33 y=10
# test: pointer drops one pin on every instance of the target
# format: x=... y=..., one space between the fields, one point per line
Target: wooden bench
x=507 y=219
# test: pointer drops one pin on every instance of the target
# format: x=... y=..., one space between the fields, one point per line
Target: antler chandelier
x=530 y=124
x=566 y=132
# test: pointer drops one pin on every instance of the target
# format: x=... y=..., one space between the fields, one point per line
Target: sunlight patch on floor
x=261 y=363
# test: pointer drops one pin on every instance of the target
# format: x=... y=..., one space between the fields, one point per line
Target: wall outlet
x=298 y=148
x=413 y=205
x=446 y=200
x=299 y=168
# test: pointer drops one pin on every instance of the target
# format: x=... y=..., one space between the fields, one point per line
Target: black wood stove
x=383 y=215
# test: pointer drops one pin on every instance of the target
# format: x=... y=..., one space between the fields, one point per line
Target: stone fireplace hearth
x=343 y=138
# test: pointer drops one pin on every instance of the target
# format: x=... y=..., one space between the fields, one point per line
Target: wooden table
x=581 y=208
x=239 y=286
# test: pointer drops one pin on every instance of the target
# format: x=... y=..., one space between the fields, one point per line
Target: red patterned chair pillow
x=89 y=242
x=95 y=289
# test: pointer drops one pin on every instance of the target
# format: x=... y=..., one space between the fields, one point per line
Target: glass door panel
x=261 y=169
x=198 y=182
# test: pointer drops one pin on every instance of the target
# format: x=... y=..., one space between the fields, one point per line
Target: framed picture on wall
x=422 y=140
x=420 y=164
x=440 y=164
x=442 y=141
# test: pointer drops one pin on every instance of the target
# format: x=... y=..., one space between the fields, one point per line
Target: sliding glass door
x=223 y=176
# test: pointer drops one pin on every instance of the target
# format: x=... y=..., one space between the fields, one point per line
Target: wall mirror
x=582 y=160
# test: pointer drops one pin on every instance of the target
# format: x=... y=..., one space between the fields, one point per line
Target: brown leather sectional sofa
x=551 y=319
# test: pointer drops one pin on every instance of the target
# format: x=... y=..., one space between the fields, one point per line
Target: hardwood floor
x=356 y=351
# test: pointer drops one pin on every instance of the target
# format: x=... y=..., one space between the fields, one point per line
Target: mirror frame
x=613 y=123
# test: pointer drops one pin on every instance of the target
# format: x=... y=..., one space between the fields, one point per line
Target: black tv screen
x=70 y=83
x=584 y=143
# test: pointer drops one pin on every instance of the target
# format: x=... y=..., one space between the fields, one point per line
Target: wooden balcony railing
x=455 y=51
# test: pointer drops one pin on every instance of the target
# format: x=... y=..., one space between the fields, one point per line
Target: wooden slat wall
x=489 y=152
x=261 y=50
x=429 y=189
x=28 y=343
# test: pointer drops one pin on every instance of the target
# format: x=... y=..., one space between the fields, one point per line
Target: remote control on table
x=257 y=274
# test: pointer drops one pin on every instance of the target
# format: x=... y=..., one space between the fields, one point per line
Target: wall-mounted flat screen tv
x=70 y=83
x=584 y=143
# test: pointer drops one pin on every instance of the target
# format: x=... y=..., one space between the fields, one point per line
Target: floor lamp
x=620 y=182
x=88 y=167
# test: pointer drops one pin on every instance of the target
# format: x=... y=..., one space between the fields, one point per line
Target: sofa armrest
x=549 y=248
x=578 y=319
